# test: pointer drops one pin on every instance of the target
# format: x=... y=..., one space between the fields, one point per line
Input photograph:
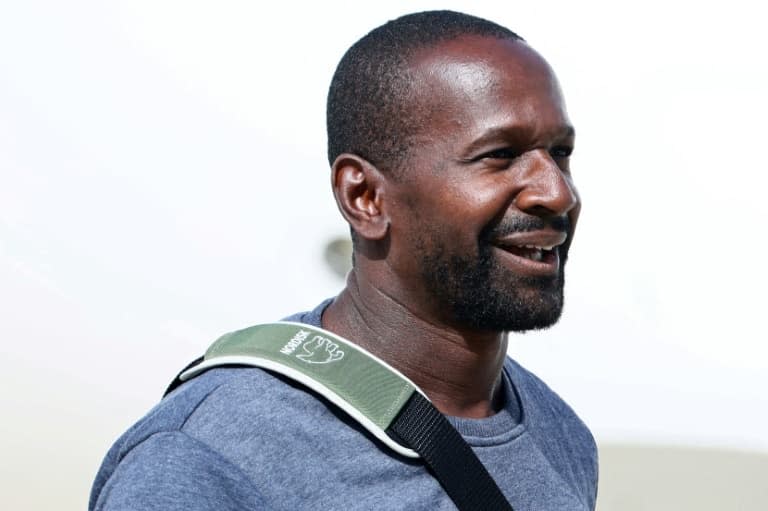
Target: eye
x=504 y=153
x=561 y=151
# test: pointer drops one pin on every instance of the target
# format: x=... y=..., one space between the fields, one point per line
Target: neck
x=459 y=370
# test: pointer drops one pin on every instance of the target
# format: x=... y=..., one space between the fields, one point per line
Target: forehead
x=480 y=83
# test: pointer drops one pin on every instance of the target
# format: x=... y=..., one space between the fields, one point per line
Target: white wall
x=163 y=180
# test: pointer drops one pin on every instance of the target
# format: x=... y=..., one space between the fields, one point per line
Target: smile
x=531 y=252
x=534 y=253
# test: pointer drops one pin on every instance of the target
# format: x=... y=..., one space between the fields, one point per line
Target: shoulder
x=233 y=432
x=559 y=432
x=219 y=394
x=162 y=455
x=173 y=471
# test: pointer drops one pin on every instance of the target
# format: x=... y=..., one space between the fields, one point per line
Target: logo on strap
x=318 y=350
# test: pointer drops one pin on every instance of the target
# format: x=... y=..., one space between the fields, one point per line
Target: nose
x=545 y=189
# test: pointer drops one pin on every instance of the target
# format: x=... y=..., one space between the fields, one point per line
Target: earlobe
x=358 y=187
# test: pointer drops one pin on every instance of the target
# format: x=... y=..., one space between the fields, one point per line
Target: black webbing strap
x=451 y=460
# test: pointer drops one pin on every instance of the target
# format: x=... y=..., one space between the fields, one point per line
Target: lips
x=533 y=252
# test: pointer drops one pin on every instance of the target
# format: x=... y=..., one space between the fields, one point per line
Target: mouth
x=532 y=253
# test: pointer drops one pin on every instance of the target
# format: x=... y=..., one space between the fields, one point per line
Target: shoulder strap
x=376 y=395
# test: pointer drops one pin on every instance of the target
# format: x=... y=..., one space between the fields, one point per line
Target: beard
x=480 y=293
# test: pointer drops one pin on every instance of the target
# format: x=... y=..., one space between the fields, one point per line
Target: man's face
x=485 y=207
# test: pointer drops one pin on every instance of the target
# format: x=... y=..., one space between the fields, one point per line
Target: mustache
x=524 y=224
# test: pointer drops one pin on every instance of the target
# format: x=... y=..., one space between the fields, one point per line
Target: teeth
x=535 y=255
x=542 y=247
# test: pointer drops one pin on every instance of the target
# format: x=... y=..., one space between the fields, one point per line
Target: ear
x=358 y=187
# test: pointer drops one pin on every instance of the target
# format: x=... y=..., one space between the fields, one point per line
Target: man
x=449 y=146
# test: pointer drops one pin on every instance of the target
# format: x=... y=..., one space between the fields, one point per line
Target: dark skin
x=494 y=148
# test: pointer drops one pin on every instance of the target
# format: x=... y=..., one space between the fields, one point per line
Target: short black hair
x=368 y=109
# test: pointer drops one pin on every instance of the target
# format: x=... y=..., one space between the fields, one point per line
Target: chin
x=480 y=293
x=516 y=311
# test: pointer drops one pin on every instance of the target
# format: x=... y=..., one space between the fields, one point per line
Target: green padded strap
x=364 y=386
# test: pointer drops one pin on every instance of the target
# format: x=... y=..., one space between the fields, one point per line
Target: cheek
x=463 y=210
x=481 y=203
x=451 y=212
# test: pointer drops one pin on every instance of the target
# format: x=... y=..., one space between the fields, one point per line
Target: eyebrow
x=495 y=134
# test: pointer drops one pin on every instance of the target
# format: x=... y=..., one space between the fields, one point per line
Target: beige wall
x=669 y=478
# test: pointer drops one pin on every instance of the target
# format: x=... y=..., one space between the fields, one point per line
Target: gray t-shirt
x=248 y=439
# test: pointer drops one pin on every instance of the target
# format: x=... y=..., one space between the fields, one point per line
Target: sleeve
x=173 y=471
